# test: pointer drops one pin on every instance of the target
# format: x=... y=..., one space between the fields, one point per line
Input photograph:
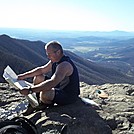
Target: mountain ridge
x=30 y=54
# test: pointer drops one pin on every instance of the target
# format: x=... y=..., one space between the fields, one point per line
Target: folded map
x=11 y=77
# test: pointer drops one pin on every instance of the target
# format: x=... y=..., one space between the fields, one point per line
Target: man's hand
x=21 y=77
x=25 y=91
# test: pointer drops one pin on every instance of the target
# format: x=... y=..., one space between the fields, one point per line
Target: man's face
x=52 y=54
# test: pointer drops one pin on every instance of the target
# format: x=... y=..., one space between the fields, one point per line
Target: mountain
x=23 y=55
x=45 y=35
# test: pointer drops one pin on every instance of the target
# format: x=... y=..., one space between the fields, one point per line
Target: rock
x=118 y=110
x=115 y=115
x=131 y=118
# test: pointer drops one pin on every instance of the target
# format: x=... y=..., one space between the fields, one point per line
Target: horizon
x=60 y=30
x=71 y=15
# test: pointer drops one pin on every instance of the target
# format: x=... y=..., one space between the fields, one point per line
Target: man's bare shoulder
x=65 y=67
x=65 y=64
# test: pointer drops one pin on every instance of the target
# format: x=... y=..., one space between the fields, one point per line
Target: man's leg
x=47 y=96
x=37 y=79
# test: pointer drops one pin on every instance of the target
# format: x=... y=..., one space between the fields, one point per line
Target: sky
x=78 y=15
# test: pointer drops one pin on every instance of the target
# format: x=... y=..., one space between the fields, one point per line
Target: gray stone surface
x=114 y=114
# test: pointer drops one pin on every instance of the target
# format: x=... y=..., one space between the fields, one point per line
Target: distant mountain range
x=46 y=35
x=23 y=55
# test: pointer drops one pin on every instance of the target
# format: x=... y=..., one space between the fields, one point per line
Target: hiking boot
x=43 y=106
x=29 y=110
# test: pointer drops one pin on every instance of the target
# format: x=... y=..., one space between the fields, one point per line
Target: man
x=62 y=87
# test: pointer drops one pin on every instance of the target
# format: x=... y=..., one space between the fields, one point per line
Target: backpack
x=18 y=125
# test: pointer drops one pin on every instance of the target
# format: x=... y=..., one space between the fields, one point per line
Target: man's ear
x=58 y=51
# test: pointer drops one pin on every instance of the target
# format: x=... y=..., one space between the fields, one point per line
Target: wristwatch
x=30 y=90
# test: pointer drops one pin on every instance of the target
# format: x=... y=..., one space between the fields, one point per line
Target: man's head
x=54 y=51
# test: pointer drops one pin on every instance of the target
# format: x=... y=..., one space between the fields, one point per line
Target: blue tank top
x=69 y=84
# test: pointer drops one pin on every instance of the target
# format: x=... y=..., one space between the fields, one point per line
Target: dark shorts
x=62 y=98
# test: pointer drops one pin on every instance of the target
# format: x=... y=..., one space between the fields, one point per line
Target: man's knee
x=47 y=96
x=38 y=79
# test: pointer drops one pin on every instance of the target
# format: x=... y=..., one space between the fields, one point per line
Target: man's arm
x=37 y=71
x=63 y=70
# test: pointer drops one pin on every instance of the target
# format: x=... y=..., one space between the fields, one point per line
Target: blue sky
x=89 y=15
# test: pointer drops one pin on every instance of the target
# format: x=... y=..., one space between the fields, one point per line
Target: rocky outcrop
x=115 y=113
x=118 y=109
